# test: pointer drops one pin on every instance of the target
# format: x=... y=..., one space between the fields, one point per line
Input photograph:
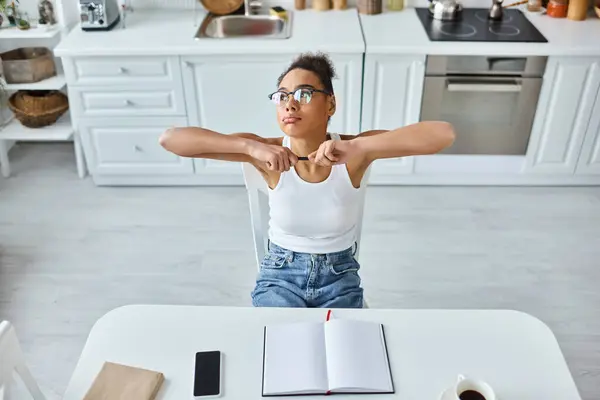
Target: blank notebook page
x=356 y=357
x=295 y=359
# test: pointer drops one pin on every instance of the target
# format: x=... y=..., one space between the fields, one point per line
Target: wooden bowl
x=222 y=7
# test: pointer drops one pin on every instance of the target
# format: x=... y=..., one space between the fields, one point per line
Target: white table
x=514 y=352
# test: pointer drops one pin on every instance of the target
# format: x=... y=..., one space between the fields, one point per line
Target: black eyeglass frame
x=310 y=89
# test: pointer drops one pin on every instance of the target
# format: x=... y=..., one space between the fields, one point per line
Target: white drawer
x=130 y=147
x=107 y=102
x=122 y=70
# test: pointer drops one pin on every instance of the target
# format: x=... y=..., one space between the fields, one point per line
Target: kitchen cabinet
x=565 y=117
x=228 y=94
x=135 y=102
x=589 y=159
x=120 y=106
x=123 y=70
x=128 y=146
x=392 y=92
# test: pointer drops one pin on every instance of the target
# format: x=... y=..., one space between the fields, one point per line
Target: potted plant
x=2 y=11
x=23 y=21
x=8 y=8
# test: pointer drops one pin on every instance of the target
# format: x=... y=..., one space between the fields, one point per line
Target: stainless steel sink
x=261 y=26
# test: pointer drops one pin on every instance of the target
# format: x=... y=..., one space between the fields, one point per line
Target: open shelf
x=54 y=83
x=62 y=130
x=31 y=33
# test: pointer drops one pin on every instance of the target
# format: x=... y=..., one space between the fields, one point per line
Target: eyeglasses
x=301 y=95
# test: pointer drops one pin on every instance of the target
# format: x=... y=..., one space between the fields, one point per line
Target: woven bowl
x=36 y=109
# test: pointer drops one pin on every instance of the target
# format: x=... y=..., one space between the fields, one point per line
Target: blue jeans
x=292 y=279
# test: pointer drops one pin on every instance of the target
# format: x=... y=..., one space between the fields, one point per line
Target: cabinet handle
x=122 y=70
x=482 y=86
x=188 y=64
x=128 y=103
x=137 y=149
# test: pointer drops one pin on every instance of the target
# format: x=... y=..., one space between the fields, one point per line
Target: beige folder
x=122 y=382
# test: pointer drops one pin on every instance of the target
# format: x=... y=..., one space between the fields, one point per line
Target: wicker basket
x=370 y=6
x=28 y=65
x=36 y=109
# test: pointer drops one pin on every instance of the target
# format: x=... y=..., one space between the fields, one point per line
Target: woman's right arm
x=264 y=153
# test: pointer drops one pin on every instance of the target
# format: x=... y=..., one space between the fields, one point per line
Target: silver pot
x=445 y=10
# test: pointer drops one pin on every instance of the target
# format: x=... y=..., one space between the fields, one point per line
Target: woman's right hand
x=274 y=157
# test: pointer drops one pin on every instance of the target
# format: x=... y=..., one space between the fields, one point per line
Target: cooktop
x=474 y=26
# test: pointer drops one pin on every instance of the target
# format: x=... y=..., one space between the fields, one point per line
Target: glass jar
x=557 y=8
x=395 y=5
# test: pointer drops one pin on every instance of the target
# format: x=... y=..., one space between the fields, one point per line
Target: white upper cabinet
x=393 y=88
x=229 y=94
x=563 y=116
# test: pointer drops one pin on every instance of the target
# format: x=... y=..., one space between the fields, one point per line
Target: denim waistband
x=350 y=251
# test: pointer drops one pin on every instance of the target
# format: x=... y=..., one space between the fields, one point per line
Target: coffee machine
x=99 y=15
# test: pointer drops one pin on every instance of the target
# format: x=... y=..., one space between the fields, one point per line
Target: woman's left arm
x=428 y=137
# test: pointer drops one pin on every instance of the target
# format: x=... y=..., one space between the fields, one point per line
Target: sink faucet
x=251 y=7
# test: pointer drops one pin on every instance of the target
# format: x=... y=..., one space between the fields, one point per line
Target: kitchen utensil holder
x=371 y=7
x=321 y=5
x=340 y=4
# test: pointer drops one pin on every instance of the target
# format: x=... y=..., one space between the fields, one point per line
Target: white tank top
x=315 y=218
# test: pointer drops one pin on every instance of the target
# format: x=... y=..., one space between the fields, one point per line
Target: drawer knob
x=128 y=103
x=137 y=149
x=122 y=70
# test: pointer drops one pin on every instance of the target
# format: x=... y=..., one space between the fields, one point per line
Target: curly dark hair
x=319 y=63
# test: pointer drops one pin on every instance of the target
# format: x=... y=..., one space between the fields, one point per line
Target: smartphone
x=207 y=374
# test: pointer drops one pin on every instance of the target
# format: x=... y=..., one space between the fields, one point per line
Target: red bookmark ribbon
x=327 y=319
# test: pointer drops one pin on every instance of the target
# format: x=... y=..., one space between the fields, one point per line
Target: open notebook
x=338 y=356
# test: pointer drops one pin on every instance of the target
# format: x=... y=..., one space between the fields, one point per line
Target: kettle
x=495 y=13
x=445 y=10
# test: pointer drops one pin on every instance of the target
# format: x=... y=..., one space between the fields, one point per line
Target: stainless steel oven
x=491 y=101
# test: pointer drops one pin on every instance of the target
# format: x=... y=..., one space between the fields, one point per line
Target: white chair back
x=12 y=360
x=258 y=196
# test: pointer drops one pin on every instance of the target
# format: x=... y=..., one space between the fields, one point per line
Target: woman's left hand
x=334 y=152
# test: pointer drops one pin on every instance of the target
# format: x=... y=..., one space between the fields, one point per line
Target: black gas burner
x=458 y=30
x=474 y=26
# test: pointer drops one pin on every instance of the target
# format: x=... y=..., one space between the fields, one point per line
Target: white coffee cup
x=463 y=384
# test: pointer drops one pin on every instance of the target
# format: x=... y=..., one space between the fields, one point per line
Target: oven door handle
x=483 y=86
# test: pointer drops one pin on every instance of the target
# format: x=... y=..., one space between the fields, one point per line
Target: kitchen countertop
x=401 y=32
x=172 y=33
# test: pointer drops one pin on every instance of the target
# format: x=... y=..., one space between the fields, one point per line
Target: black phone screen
x=207 y=375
